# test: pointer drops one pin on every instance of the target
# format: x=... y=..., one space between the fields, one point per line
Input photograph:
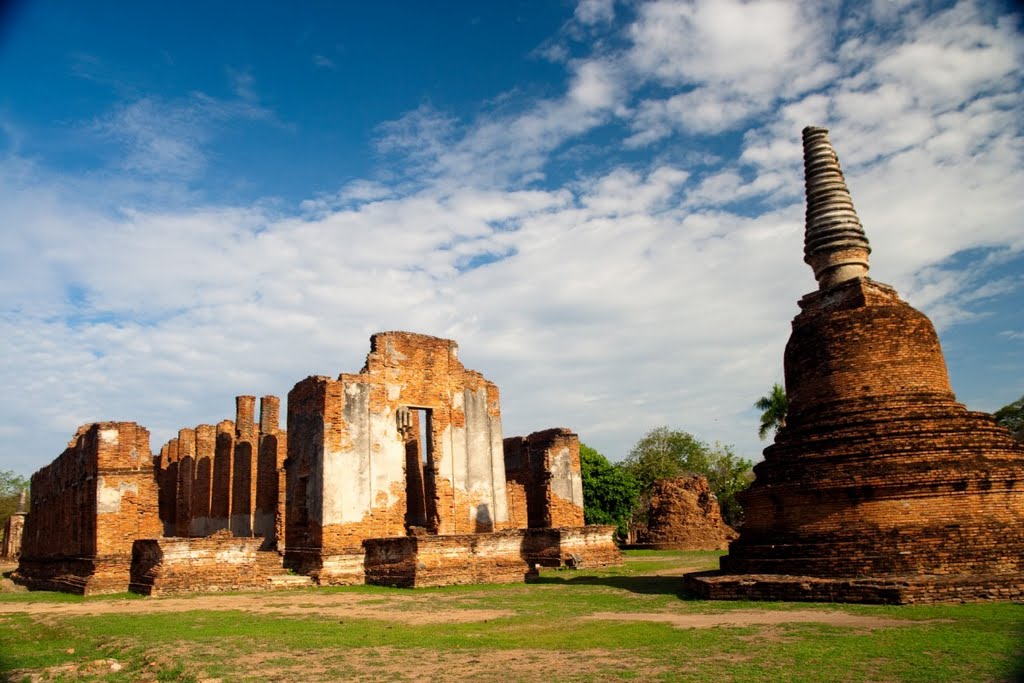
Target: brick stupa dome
x=880 y=487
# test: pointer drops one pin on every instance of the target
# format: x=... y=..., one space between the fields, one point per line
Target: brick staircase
x=269 y=564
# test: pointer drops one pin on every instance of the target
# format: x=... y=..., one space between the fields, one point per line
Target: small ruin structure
x=10 y=546
x=880 y=487
x=683 y=514
x=397 y=475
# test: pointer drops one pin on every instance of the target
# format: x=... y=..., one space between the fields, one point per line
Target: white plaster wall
x=108 y=498
x=354 y=477
x=565 y=483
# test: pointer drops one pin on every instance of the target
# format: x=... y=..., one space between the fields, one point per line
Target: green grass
x=542 y=634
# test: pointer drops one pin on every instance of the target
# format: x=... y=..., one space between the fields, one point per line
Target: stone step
x=290 y=581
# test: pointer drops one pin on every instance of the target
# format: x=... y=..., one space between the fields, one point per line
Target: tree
x=1011 y=416
x=773 y=409
x=11 y=486
x=665 y=453
x=609 y=492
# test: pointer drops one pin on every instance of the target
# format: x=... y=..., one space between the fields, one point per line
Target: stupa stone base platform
x=896 y=589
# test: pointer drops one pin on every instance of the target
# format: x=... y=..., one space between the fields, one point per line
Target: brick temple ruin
x=683 y=514
x=880 y=487
x=397 y=475
x=10 y=546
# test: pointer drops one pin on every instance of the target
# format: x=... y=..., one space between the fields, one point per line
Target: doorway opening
x=416 y=427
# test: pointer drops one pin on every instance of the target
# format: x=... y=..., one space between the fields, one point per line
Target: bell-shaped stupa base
x=881 y=487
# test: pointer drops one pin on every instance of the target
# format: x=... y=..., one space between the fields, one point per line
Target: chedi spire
x=835 y=246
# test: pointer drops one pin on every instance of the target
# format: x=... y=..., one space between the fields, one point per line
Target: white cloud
x=591 y=12
x=657 y=291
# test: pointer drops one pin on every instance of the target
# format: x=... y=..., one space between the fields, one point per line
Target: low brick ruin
x=880 y=487
x=10 y=546
x=683 y=514
x=396 y=475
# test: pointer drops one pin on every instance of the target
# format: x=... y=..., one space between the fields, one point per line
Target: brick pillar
x=267 y=466
x=186 y=473
x=270 y=412
x=169 y=481
x=243 y=485
x=223 y=461
x=206 y=440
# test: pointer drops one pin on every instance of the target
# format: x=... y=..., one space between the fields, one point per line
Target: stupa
x=880 y=487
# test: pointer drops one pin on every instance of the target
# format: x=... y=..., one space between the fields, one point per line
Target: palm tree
x=773 y=410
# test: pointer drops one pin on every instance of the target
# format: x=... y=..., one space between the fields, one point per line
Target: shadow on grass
x=645 y=585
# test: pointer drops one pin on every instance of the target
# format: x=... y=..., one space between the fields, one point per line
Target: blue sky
x=601 y=202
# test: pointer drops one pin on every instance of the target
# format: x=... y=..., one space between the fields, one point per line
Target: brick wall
x=544 y=468
x=88 y=506
x=683 y=514
x=348 y=467
x=878 y=473
x=226 y=476
x=192 y=565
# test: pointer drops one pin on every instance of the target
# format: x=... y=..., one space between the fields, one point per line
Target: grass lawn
x=625 y=623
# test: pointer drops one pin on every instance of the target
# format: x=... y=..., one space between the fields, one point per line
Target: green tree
x=773 y=409
x=664 y=453
x=1011 y=416
x=11 y=485
x=609 y=491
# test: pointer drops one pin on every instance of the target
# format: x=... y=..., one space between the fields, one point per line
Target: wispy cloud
x=324 y=62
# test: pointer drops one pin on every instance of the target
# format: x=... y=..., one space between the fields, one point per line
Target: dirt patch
x=742 y=618
x=416 y=664
x=334 y=605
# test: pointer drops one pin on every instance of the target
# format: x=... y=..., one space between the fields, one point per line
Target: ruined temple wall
x=419 y=371
x=87 y=508
x=347 y=458
x=189 y=565
x=546 y=466
x=423 y=561
x=211 y=477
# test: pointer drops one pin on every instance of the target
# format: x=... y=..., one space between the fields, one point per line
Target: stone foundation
x=421 y=561
x=79 y=575
x=501 y=557
x=584 y=546
x=896 y=589
x=199 y=565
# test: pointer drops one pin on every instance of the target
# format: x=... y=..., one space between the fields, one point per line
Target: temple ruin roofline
x=880 y=487
x=404 y=459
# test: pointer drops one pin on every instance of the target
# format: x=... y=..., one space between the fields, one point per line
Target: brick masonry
x=87 y=509
x=683 y=514
x=543 y=472
x=878 y=474
x=10 y=548
x=409 y=448
x=226 y=476
x=509 y=556
x=220 y=562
